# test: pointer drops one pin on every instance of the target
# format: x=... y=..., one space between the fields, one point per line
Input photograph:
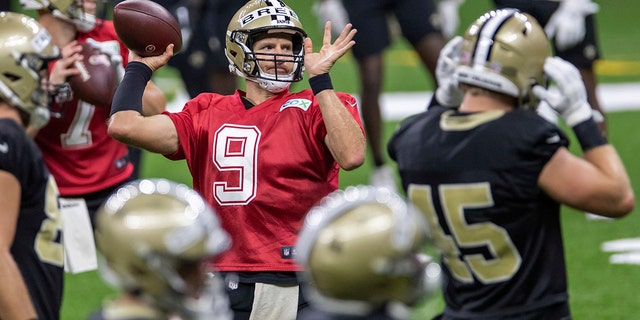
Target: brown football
x=98 y=78
x=146 y=27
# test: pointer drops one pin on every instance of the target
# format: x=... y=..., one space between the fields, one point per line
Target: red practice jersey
x=262 y=169
x=76 y=147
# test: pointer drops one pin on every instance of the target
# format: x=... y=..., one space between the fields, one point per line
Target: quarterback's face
x=274 y=53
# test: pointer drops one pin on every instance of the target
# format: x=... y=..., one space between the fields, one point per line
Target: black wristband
x=320 y=83
x=589 y=135
x=128 y=95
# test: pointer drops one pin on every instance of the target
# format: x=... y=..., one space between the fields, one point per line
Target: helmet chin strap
x=87 y=24
x=273 y=86
x=269 y=85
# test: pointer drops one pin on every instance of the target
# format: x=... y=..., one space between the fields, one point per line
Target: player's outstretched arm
x=127 y=124
x=345 y=138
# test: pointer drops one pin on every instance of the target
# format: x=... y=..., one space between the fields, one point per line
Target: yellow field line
x=617 y=68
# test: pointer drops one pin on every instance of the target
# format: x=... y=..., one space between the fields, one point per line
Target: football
x=146 y=27
x=98 y=78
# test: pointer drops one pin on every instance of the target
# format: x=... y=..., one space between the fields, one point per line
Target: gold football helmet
x=257 y=18
x=25 y=50
x=363 y=246
x=504 y=51
x=156 y=237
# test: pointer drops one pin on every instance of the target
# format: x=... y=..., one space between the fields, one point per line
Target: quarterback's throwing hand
x=153 y=62
x=320 y=62
x=569 y=99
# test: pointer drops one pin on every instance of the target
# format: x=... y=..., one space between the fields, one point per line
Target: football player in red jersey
x=261 y=157
x=87 y=163
x=31 y=255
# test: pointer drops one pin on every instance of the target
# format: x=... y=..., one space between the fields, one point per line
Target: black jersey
x=36 y=247
x=475 y=175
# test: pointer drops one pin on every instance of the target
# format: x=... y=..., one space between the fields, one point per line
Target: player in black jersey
x=490 y=174
x=31 y=257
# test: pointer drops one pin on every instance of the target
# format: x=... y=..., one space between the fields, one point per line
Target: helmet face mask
x=82 y=13
x=260 y=19
x=156 y=236
x=504 y=51
x=364 y=246
x=24 y=78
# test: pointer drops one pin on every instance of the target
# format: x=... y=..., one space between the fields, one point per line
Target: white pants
x=277 y=302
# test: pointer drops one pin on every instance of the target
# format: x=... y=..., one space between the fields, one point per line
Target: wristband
x=128 y=95
x=588 y=134
x=320 y=83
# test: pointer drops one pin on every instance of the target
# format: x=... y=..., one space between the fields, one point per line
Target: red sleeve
x=351 y=104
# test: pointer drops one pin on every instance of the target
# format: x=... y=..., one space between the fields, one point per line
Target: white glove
x=331 y=10
x=567 y=25
x=569 y=97
x=448 y=11
x=448 y=92
x=547 y=113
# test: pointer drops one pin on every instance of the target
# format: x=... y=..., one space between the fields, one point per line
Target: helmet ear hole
x=11 y=76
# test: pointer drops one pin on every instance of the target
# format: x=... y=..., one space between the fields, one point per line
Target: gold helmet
x=257 y=18
x=25 y=50
x=504 y=51
x=71 y=10
x=364 y=246
x=156 y=236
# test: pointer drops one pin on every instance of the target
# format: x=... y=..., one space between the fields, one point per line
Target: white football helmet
x=156 y=237
x=362 y=248
x=504 y=51
x=74 y=11
x=25 y=50
x=256 y=18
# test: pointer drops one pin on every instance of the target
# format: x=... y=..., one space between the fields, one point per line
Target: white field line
x=624 y=251
x=399 y=105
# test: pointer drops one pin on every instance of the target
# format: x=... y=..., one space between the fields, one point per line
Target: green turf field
x=598 y=289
